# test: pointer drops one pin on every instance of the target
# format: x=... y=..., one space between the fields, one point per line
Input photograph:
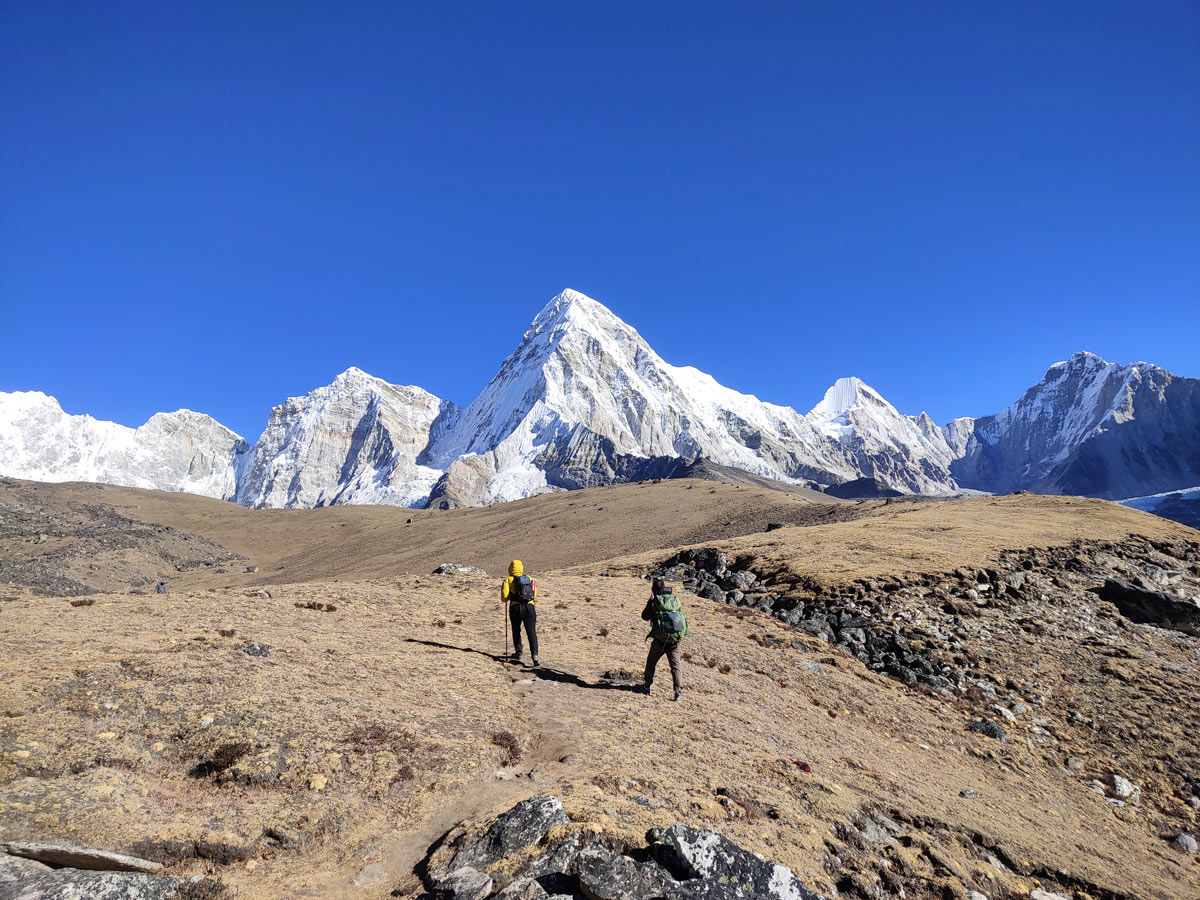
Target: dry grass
x=356 y=745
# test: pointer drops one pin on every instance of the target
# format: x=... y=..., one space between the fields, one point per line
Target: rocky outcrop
x=861 y=489
x=872 y=619
x=533 y=852
x=1153 y=607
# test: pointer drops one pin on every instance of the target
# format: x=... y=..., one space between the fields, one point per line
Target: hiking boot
x=678 y=696
x=514 y=657
x=643 y=689
x=536 y=661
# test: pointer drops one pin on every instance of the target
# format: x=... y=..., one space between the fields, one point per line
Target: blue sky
x=216 y=206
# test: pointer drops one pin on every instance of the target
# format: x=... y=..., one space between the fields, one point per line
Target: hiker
x=664 y=612
x=519 y=591
x=161 y=588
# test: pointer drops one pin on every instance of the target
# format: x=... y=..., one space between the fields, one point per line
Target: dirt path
x=548 y=759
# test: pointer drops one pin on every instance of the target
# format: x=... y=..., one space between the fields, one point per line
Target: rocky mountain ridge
x=585 y=401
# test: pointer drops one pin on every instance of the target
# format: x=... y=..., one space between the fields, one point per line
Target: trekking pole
x=504 y=612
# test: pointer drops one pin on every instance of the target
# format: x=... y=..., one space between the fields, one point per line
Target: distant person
x=668 y=627
x=519 y=591
x=160 y=588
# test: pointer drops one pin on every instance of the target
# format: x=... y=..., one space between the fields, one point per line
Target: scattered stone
x=989 y=728
x=1019 y=709
x=1046 y=895
x=975 y=895
x=1003 y=712
x=1122 y=787
x=256 y=649
x=251 y=569
x=1194 y=802
x=79 y=857
x=969 y=793
x=1074 y=764
x=458 y=569
x=1186 y=843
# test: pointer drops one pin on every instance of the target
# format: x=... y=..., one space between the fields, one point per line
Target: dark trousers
x=527 y=613
x=657 y=650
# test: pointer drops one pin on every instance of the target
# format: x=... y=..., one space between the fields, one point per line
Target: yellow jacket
x=515 y=568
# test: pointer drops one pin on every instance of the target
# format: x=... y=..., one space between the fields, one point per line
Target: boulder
x=16 y=868
x=465 y=883
x=722 y=868
x=989 y=728
x=1152 y=607
x=79 y=857
x=64 y=884
x=522 y=826
x=607 y=876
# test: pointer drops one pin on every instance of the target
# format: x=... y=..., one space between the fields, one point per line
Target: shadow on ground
x=545 y=673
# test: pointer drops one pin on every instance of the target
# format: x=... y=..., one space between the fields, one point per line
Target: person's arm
x=646 y=609
x=504 y=588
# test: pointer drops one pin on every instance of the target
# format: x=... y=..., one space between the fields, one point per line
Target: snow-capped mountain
x=1090 y=427
x=179 y=451
x=907 y=453
x=354 y=441
x=584 y=400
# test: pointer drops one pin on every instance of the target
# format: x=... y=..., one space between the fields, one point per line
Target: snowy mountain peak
x=844 y=395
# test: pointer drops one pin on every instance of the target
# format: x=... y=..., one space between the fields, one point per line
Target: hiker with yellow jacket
x=519 y=591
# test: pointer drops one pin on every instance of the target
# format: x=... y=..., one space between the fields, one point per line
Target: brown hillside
x=382 y=714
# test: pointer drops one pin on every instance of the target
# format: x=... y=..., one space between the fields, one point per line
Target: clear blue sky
x=218 y=205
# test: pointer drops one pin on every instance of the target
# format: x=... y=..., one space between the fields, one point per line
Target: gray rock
x=1074 y=764
x=1003 y=712
x=1019 y=709
x=975 y=895
x=523 y=889
x=522 y=826
x=1152 y=607
x=458 y=569
x=77 y=884
x=969 y=793
x=1194 y=802
x=607 y=876
x=710 y=591
x=17 y=868
x=1015 y=580
x=1186 y=843
x=1122 y=787
x=989 y=728
x=692 y=853
x=79 y=857
x=739 y=580
x=465 y=883
x=1046 y=895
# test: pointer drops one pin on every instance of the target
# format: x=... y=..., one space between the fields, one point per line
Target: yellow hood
x=515 y=568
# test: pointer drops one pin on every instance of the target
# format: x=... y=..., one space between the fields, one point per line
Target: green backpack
x=667 y=623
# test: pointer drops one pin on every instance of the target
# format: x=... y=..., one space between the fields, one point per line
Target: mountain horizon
x=584 y=400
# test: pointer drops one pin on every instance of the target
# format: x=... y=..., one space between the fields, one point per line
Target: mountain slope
x=179 y=451
x=1090 y=427
x=584 y=400
x=354 y=441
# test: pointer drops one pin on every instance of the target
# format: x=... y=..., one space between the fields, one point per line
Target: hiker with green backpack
x=664 y=612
